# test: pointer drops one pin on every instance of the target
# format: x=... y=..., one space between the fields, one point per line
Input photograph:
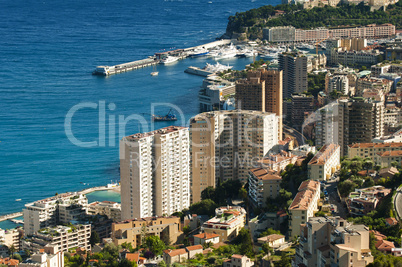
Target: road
x=301 y=140
x=398 y=203
x=339 y=208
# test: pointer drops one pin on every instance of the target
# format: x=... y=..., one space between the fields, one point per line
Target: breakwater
x=153 y=60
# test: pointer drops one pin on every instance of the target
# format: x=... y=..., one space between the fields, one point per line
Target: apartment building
x=49 y=257
x=263 y=184
x=350 y=58
x=339 y=83
x=349 y=121
x=227 y=223
x=109 y=208
x=205 y=238
x=303 y=206
x=134 y=231
x=273 y=96
x=278 y=162
x=365 y=200
x=63 y=237
x=224 y=145
x=333 y=241
x=290 y=34
x=383 y=85
x=154 y=173
x=302 y=106
x=279 y=34
x=54 y=210
x=212 y=95
x=325 y=163
x=369 y=150
x=386 y=159
x=181 y=255
x=294 y=67
x=11 y=238
x=250 y=94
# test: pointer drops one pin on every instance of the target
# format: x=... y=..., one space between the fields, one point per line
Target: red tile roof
x=176 y=252
x=391 y=221
x=263 y=174
x=133 y=256
x=206 y=236
x=375 y=145
x=196 y=247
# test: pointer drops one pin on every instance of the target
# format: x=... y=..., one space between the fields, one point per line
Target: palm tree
x=12 y=250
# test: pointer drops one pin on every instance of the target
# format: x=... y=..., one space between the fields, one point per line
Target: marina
x=168 y=57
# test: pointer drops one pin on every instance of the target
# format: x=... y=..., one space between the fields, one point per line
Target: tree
x=208 y=193
x=204 y=207
x=155 y=245
x=270 y=231
x=162 y=264
x=126 y=263
x=12 y=250
x=245 y=243
x=94 y=239
x=17 y=257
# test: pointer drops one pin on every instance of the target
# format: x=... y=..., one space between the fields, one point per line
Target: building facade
x=263 y=184
x=134 y=231
x=154 y=173
x=63 y=237
x=333 y=241
x=303 y=206
x=227 y=223
x=54 y=210
x=294 y=67
x=224 y=145
x=325 y=163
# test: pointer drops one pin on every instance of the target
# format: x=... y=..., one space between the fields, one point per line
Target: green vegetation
x=294 y=175
x=224 y=191
x=270 y=231
x=316 y=83
x=254 y=20
x=204 y=207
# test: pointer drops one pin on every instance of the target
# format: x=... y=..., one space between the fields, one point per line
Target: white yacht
x=198 y=52
x=229 y=52
x=169 y=60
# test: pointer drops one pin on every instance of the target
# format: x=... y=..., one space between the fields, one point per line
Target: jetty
x=105 y=70
x=109 y=70
x=10 y=216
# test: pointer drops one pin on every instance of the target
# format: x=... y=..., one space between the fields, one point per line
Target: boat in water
x=208 y=69
x=168 y=117
x=154 y=73
x=169 y=60
x=225 y=53
x=199 y=52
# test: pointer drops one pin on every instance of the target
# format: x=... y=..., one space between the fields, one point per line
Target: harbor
x=167 y=57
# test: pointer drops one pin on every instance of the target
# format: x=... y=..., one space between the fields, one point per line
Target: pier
x=153 y=60
x=109 y=70
x=10 y=216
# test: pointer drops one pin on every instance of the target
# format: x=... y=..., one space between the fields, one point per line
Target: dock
x=198 y=71
x=105 y=70
x=120 y=68
x=10 y=216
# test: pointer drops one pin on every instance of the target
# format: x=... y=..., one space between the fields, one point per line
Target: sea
x=59 y=125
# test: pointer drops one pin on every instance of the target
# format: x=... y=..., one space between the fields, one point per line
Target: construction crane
x=317 y=43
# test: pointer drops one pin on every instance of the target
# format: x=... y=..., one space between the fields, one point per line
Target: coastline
x=86 y=191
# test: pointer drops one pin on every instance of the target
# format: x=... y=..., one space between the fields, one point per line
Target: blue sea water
x=48 y=51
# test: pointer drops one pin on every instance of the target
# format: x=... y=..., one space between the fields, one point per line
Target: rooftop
x=206 y=236
x=375 y=145
x=263 y=174
x=324 y=154
x=161 y=131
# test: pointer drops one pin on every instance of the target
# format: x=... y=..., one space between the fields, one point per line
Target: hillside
x=256 y=19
